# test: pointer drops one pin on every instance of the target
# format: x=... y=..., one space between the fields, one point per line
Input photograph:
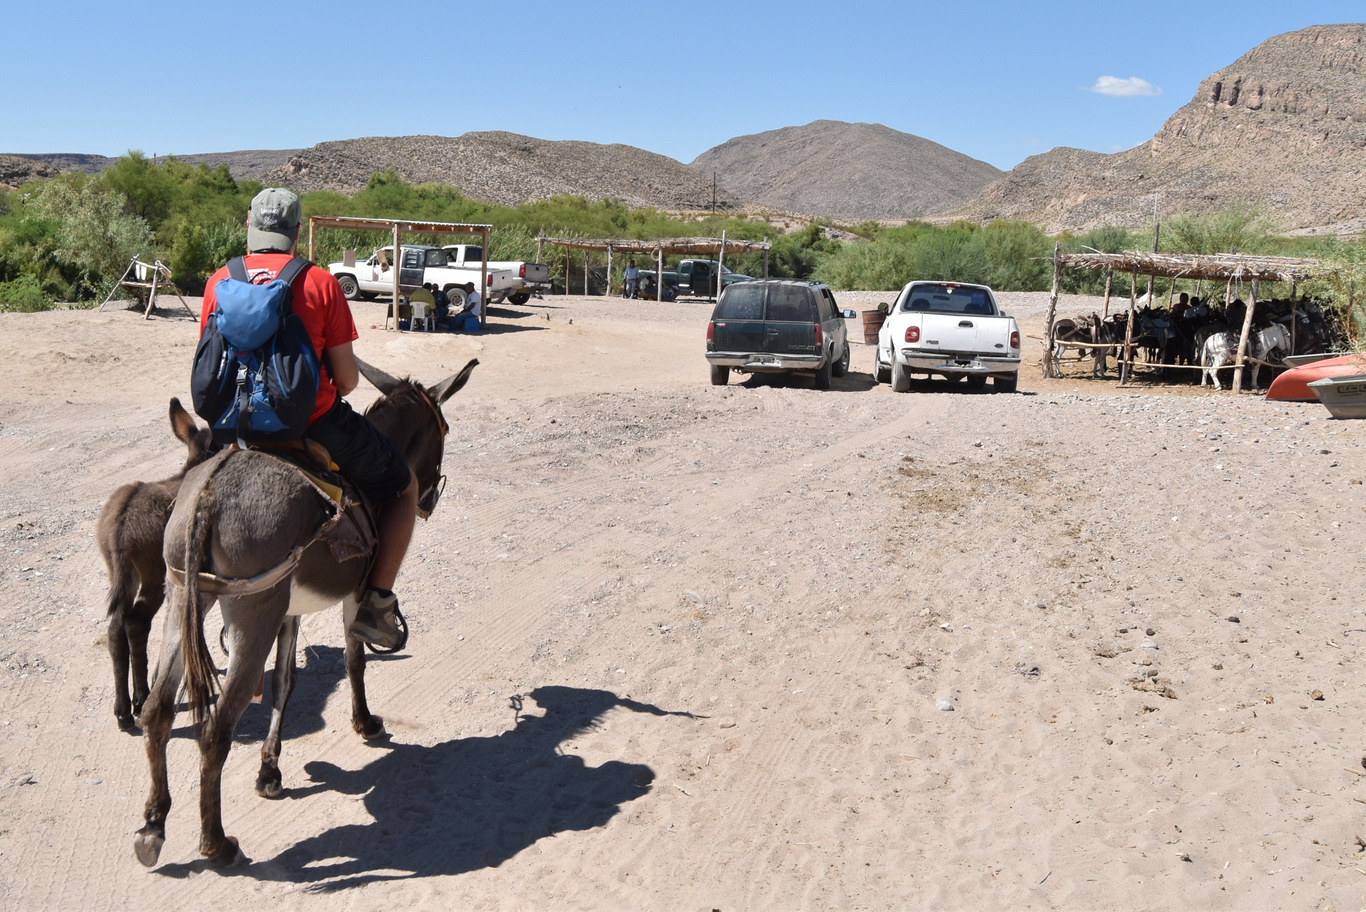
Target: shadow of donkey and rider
x=464 y=804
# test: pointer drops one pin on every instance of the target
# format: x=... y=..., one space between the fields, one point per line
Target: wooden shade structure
x=716 y=247
x=1228 y=267
x=397 y=228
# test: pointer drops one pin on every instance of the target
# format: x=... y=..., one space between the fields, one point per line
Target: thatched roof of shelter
x=710 y=246
x=1195 y=266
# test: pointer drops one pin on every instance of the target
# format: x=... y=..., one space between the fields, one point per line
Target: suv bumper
x=957 y=363
x=762 y=362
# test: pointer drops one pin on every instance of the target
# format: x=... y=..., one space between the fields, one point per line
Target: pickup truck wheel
x=350 y=287
x=842 y=365
x=881 y=372
x=901 y=378
x=823 y=376
x=457 y=296
x=720 y=375
x=520 y=298
x=1006 y=384
x=977 y=381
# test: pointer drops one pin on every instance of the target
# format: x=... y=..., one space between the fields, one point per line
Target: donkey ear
x=182 y=425
x=382 y=381
x=448 y=387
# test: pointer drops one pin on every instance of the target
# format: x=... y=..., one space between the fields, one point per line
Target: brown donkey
x=249 y=529
x=129 y=534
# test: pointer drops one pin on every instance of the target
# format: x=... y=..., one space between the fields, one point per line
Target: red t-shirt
x=321 y=306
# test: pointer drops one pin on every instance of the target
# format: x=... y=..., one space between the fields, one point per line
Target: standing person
x=367 y=457
x=632 y=276
x=466 y=319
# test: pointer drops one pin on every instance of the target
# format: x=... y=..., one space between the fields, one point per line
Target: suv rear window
x=790 y=304
x=948 y=299
x=741 y=302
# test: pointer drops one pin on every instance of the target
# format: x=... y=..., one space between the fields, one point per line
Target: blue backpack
x=255 y=374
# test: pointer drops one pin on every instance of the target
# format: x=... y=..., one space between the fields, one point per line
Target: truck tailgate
x=965 y=333
x=536 y=272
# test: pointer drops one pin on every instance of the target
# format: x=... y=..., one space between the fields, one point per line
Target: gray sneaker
x=376 y=621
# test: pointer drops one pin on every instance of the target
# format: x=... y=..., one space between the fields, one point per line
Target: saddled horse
x=255 y=532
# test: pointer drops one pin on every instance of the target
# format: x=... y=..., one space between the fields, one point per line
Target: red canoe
x=1293 y=385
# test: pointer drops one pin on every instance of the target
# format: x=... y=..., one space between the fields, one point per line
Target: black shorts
x=367 y=457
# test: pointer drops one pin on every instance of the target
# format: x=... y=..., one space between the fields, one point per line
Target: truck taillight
x=522 y=272
x=489 y=279
x=711 y=331
x=912 y=334
x=1015 y=339
x=820 y=338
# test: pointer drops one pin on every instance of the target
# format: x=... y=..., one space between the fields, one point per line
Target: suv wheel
x=842 y=365
x=720 y=375
x=823 y=376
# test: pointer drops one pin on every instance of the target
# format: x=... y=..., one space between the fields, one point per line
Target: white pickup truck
x=529 y=278
x=948 y=328
x=420 y=265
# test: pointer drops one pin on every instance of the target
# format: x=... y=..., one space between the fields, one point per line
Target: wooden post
x=1126 y=368
x=395 y=263
x=1242 y=341
x=151 y=295
x=765 y=257
x=720 y=265
x=585 y=272
x=609 y=271
x=310 y=237
x=1109 y=274
x=483 y=281
x=1052 y=312
x=659 y=275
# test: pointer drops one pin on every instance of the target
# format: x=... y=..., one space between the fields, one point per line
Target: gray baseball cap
x=274 y=220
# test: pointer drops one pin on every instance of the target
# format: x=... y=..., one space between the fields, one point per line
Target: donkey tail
x=201 y=674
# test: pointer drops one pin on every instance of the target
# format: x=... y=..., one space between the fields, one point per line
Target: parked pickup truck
x=535 y=277
x=698 y=277
x=951 y=329
x=420 y=265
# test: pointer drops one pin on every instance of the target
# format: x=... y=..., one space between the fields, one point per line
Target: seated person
x=670 y=291
x=423 y=301
x=648 y=289
x=466 y=319
x=442 y=306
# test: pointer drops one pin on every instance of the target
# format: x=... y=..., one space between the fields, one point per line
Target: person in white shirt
x=466 y=319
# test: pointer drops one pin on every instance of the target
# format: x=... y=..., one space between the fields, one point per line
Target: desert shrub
x=24 y=294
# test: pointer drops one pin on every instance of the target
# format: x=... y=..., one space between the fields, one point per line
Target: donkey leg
x=138 y=625
x=367 y=725
x=253 y=624
x=158 y=714
x=119 y=656
x=268 y=781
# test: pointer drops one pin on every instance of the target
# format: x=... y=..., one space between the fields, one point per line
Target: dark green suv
x=771 y=326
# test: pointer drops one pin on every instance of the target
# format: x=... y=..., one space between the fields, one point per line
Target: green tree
x=95 y=235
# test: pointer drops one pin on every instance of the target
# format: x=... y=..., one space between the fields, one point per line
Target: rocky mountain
x=1283 y=126
x=18 y=169
x=849 y=171
x=507 y=169
x=246 y=164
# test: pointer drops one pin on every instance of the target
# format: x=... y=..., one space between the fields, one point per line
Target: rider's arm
x=341 y=364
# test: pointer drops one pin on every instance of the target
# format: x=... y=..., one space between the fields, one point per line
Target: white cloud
x=1121 y=88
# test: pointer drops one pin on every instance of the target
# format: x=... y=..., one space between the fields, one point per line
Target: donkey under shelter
x=255 y=532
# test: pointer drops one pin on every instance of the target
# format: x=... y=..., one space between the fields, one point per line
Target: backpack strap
x=237 y=268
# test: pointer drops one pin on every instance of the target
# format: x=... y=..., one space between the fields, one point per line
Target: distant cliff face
x=850 y=171
x=1284 y=126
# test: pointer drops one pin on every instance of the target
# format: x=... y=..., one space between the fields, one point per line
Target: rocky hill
x=507 y=169
x=17 y=169
x=850 y=171
x=1283 y=126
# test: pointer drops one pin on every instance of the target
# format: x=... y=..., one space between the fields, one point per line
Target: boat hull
x=1344 y=397
x=1293 y=385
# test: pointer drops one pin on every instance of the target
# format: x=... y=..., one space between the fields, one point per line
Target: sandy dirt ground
x=685 y=647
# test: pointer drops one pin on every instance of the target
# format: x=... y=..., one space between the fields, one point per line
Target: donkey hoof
x=148 y=847
x=269 y=786
x=127 y=722
x=227 y=855
x=371 y=729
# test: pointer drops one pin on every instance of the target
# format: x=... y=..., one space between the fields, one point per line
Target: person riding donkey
x=366 y=456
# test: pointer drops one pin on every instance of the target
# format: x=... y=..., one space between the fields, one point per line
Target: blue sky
x=996 y=80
